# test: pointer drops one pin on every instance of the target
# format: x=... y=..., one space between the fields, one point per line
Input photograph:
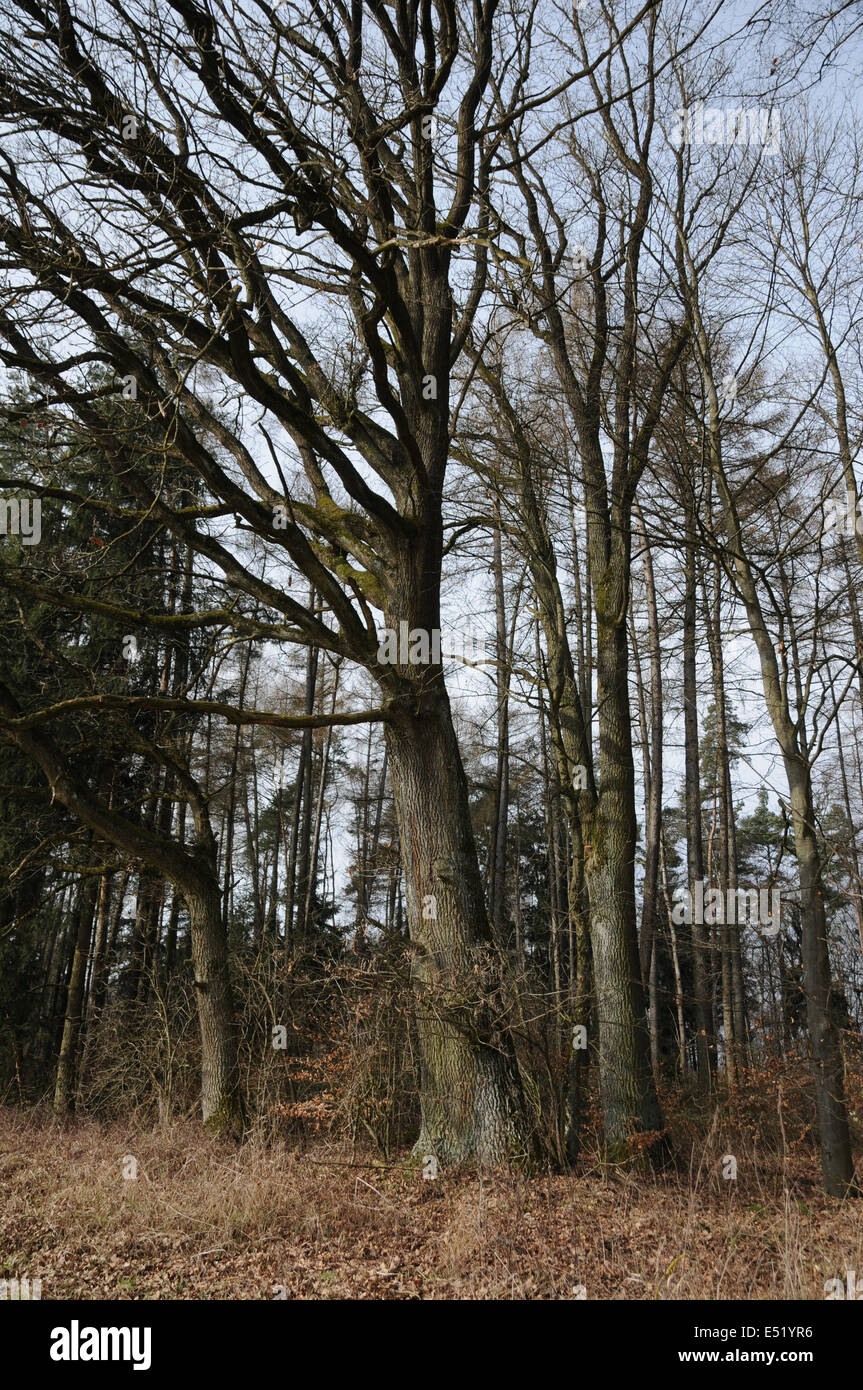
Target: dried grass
x=205 y=1220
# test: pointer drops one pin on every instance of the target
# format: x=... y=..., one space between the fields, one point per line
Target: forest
x=431 y=680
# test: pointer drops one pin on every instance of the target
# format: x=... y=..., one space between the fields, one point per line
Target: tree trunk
x=64 y=1090
x=98 y=977
x=500 y=824
x=303 y=894
x=854 y=859
x=705 y=1031
x=221 y=1102
x=471 y=1098
x=628 y=1089
x=733 y=1008
x=652 y=766
x=836 y=1162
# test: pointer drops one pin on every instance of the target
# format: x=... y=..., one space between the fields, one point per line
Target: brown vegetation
x=207 y=1220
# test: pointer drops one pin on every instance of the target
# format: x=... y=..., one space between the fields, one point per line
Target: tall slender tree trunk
x=569 y=725
x=294 y=883
x=836 y=1161
x=733 y=1008
x=629 y=1101
x=97 y=979
x=221 y=1102
x=653 y=755
x=304 y=856
x=174 y=912
x=234 y=782
x=705 y=1032
x=826 y=1048
x=857 y=888
x=647 y=945
x=497 y=884
x=675 y=961
x=64 y=1090
x=319 y=814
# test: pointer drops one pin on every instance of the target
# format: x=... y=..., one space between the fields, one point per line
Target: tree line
x=331 y=320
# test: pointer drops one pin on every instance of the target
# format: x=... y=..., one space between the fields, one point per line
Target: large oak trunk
x=471 y=1096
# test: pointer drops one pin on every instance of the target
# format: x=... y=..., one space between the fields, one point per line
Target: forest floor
x=203 y=1220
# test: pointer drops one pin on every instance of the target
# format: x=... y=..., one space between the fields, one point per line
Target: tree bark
x=652 y=757
x=500 y=824
x=629 y=1099
x=64 y=1089
x=221 y=1102
x=705 y=1028
x=98 y=981
x=836 y=1162
x=471 y=1097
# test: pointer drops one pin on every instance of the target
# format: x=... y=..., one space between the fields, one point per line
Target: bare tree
x=239 y=172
